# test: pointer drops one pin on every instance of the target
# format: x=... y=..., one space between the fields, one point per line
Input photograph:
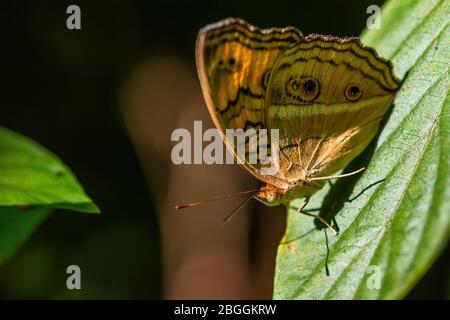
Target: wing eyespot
x=230 y=65
x=353 y=92
x=307 y=89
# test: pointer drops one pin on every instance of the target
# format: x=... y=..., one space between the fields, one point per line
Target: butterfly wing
x=234 y=62
x=327 y=96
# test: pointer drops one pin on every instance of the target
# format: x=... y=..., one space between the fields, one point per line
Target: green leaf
x=395 y=218
x=32 y=176
x=16 y=226
x=32 y=182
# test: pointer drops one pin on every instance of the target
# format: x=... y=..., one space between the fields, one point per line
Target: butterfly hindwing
x=327 y=96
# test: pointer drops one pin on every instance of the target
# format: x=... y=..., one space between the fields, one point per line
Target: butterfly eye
x=353 y=92
x=307 y=89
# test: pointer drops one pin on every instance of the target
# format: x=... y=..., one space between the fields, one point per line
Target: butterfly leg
x=300 y=210
x=338 y=176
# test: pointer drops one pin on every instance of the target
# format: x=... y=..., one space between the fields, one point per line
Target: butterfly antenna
x=231 y=215
x=193 y=204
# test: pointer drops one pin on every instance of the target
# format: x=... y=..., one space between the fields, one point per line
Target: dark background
x=60 y=87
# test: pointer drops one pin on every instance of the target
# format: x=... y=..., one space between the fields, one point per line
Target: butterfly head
x=270 y=195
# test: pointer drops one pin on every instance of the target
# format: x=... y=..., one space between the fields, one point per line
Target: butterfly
x=326 y=96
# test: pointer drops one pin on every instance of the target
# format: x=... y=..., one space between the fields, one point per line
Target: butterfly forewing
x=234 y=61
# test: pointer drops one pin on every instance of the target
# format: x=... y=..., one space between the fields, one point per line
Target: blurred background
x=105 y=99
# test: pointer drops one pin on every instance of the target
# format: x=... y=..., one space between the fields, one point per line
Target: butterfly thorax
x=273 y=196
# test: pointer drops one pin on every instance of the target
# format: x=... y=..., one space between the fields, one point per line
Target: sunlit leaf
x=32 y=176
x=32 y=183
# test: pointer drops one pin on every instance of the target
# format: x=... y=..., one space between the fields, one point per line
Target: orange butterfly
x=325 y=95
